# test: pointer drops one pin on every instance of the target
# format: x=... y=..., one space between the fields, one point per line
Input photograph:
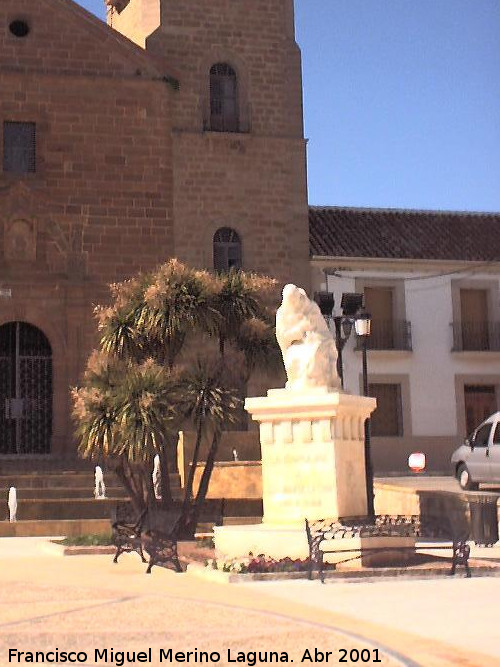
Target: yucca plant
x=209 y=405
x=140 y=388
x=239 y=298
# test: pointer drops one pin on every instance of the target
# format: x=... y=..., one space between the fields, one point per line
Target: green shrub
x=87 y=541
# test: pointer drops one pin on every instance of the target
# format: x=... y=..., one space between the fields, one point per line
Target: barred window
x=19 y=142
x=387 y=418
x=224 y=112
x=227 y=250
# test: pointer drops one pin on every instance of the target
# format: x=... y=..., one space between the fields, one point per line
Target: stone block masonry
x=127 y=170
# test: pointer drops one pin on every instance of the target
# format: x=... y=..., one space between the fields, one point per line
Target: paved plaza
x=86 y=604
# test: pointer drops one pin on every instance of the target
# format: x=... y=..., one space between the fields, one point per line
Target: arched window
x=224 y=112
x=227 y=250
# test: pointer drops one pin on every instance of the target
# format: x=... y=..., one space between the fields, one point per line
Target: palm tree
x=124 y=414
x=140 y=389
x=209 y=405
x=240 y=297
x=179 y=302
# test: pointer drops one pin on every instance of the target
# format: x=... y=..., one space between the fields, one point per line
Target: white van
x=478 y=459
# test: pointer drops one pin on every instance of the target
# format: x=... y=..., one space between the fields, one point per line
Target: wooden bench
x=126 y=528
x=326 y=535
x=159 y=538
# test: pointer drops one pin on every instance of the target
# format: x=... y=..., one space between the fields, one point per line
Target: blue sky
x=401 y=101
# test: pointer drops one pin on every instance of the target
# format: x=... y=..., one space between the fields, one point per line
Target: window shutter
x=19 y=153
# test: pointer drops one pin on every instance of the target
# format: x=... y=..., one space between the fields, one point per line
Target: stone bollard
x=12 y=503
x=100 y=488
x=156 y=477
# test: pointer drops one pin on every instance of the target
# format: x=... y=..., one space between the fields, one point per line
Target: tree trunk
x=166 y=490
x=188 y=492
x=124 y=474
x=192 y=508
x=207 y=471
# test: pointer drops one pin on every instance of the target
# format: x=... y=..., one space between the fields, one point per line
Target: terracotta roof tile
x=403 y=234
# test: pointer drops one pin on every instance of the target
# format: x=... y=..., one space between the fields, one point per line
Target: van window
x=482 y=436
x=496 y=435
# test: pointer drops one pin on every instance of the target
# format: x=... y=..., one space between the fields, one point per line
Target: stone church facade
x=176 y=130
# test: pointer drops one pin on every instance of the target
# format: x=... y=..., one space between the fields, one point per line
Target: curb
x=346 y=576
x=59 y=549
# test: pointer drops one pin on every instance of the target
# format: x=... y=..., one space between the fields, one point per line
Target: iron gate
x=25 y=390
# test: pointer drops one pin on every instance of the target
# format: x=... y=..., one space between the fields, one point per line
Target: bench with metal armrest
x=127 y=526
x=326 y=536
x=160 y=536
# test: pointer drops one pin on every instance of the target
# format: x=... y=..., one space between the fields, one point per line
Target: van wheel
x=464 y=478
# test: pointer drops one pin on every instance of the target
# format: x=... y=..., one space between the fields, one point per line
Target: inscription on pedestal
x=298 y=480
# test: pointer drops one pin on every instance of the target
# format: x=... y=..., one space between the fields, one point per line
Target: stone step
x=76 y=527
x=55 y=528
x=61 y=494
x=65 y=480
x=242 y=507
x=45 y=509
x=42 y=463
x=67 y=508
x=241 y=520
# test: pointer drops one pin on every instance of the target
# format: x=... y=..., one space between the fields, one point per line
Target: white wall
x=431 y=366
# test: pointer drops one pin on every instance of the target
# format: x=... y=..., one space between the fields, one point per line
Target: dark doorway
x=25 y=390
x=480 y=403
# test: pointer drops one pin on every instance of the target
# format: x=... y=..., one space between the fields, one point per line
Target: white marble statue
x=307 y=345
x=100 y=488
x=12 y=503
x=156 y=476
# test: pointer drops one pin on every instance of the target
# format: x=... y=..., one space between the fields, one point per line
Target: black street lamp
x=351 y=303
x=353 y=314
x=362 y=325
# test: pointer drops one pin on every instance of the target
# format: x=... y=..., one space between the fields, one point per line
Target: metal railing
x=389 y=335
x=476 y=336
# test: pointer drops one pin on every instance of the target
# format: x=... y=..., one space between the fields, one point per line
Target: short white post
x=156 y=477
x=12 y=502
x=100 y=488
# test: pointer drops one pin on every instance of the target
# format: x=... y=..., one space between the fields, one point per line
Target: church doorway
x=25 y=390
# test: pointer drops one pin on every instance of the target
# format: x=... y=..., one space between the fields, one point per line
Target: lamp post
x=362 y=325
x=351 y=303
x=353 y=315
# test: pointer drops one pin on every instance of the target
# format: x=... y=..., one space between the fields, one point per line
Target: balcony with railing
x=476 y=336
x=389 y=335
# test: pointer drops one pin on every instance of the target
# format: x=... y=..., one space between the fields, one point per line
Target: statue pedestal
x=313 y=466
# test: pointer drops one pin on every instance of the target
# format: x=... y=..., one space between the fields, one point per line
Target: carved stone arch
x=12 y=312
x=241 y=69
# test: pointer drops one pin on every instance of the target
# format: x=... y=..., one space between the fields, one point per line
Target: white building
x=430 y=281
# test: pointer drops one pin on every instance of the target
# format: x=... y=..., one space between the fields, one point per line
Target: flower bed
x=257 y=565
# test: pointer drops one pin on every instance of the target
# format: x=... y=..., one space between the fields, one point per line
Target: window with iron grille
x=224 y=112
x=387 y=418
x=19 y=141
x=227 y=250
